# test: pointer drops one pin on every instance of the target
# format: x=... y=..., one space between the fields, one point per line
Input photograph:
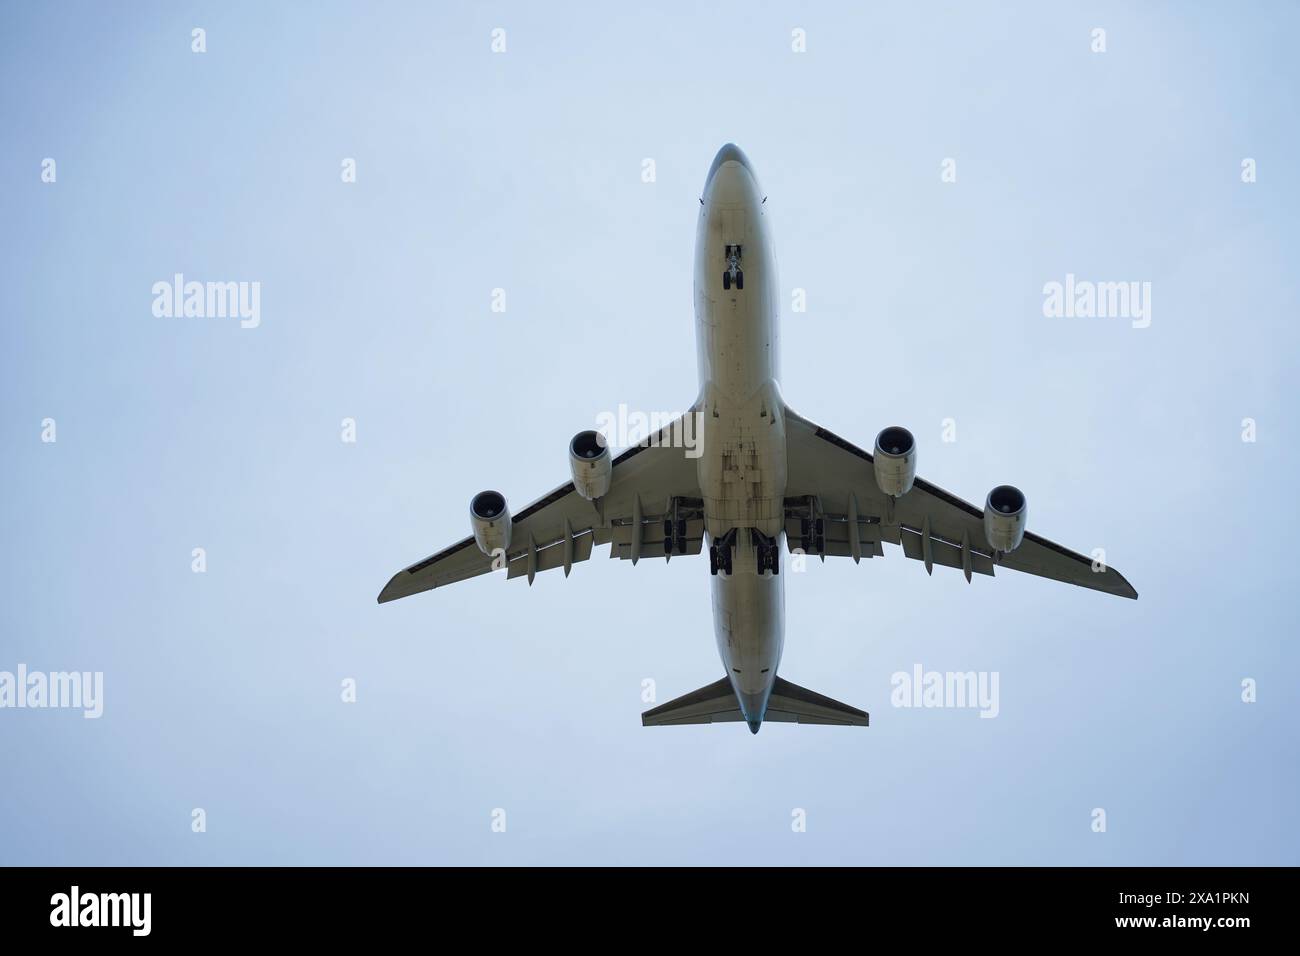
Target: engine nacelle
x=895 y=461
x=489 y=516
x=591 y=465
x=1005 y=514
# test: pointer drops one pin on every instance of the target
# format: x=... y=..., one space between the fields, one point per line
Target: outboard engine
x=895 y=461
x=1005 y=514
x=489 y=516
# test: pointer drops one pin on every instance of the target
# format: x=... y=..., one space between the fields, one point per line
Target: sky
x=495 y=723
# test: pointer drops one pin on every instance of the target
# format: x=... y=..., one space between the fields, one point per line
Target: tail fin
x=789 y=703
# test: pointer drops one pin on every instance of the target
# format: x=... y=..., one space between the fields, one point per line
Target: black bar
x=333 y=905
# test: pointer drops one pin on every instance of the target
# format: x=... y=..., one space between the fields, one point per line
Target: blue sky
x=522 y=170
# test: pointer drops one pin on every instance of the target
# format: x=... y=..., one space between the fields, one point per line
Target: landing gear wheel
x=713 y=559
x=668 y=545
x=740 y=280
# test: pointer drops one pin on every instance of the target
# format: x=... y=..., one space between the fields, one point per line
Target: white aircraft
x=742 y=471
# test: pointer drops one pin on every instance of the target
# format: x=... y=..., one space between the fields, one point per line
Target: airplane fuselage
x=742 y=470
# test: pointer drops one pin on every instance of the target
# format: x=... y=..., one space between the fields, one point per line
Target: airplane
x=744 y=473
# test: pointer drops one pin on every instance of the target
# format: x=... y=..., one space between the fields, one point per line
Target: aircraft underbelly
x=749 y=624
x=742 y=468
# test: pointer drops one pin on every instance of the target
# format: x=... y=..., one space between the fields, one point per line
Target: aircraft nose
x=754 y=725
x=729 y=161
x=730 y=153
x=731 y=180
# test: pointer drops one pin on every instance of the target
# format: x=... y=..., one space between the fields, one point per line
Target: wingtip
x=390 y=592
x=1126 y=590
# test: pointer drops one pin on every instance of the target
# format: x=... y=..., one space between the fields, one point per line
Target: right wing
x=835 y=479
x=652 y=483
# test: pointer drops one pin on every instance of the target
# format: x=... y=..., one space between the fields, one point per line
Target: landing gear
x=674 y=536
x=813 y=535
x=721 y=552
x=719 y=558
x=767 y=553
x=733 y=275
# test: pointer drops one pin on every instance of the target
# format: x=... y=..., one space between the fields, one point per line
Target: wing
x=831 y=479
x=652 y=483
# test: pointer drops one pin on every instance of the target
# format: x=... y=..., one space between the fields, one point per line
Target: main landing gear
x=675 y=536
x=813 y=534
x=767 y=551
x=721 y=552
x=733 y=275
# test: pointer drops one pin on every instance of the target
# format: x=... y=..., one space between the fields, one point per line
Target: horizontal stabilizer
x=789 y=703
x=799 y=705
x=708 y=705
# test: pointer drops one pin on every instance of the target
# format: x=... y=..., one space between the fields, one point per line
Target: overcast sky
x=522 y=170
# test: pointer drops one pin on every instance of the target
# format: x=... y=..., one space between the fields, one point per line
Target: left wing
x=831 y=480
x=652 y=485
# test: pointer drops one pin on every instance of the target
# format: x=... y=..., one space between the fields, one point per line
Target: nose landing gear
x=733 y=275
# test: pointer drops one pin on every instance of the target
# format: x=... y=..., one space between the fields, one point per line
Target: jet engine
x=490 y=518
x=591 y=465
x=1005 y=513
x=895 y=461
